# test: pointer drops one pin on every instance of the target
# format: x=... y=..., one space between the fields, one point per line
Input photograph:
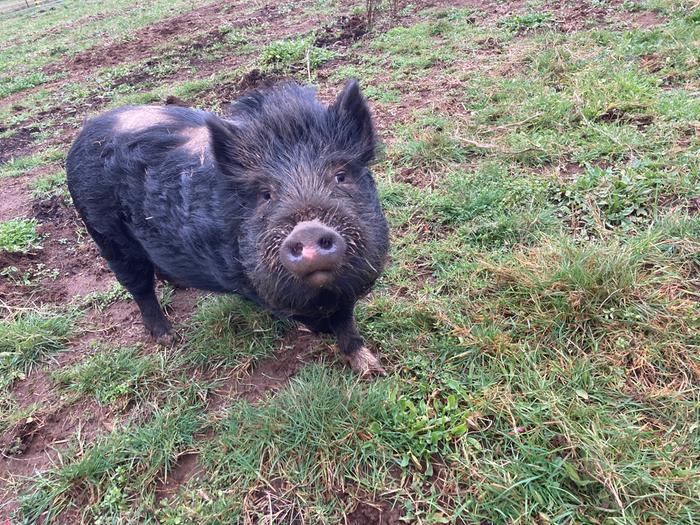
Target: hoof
x=365 y=363
x=163 y=334
x=167 y=339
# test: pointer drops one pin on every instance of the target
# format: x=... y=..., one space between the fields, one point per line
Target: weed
x=527 y=22
x=294 y=55
x=102 y=300
x=32 y=277
x=19 y=236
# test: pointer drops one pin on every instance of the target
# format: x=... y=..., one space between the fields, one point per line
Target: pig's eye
x=340 y=177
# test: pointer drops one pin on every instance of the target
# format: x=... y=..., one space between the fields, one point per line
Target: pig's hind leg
x=135 y=272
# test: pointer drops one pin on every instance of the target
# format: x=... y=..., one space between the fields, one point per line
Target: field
x=539 y=319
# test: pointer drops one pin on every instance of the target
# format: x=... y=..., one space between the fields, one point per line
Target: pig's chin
x=319 y=278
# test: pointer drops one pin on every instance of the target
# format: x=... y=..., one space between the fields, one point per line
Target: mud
x=345 y=31
x=370 y=513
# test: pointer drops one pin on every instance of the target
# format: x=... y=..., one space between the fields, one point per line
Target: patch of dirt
x=185 y=468
x=172 y=100
x=226 y=93
x=345 y=31
x=15 y=202
x=31 y=444
x=367 y=513
x=269 y=376
x=644 y=19
x=256 y=79
x=137 y=48
x=15 y=145
x=614 y=114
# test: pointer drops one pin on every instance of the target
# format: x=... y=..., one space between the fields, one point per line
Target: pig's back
x=148 y=171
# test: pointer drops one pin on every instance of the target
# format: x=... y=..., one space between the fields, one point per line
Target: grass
x=50 y=186
x=526 y=22
x=539 y=317
x=23 y=165
x=232 y=331
x=27 y=339
x=294 y=55
x=19 y=236
x=110 y=376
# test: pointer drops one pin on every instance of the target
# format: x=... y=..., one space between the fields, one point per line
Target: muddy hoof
x=162 y=333
x=365 y=363
x=167 y=339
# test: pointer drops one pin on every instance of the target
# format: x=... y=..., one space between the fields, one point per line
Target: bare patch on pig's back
x=197 y=142
x=137 y=119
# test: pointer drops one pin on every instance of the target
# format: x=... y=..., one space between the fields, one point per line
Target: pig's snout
x=312 y=252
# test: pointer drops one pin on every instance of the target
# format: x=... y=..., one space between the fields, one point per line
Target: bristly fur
x=213 y=216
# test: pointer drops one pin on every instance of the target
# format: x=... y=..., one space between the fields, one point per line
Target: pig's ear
x=355 y=119
x=225 y=142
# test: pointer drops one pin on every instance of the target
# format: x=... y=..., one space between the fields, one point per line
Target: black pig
x=275 y=203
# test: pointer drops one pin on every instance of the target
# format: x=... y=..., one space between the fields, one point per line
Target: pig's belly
x=193 y=268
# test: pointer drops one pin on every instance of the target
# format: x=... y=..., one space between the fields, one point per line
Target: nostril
x=296 y=248
x=326 y=242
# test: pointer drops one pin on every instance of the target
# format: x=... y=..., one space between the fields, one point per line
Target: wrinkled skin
x=208 y=203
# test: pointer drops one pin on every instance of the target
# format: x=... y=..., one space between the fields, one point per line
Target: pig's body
x=150 y=188
x=257 y=205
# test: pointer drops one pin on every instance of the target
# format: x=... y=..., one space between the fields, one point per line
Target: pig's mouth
x=319 y=278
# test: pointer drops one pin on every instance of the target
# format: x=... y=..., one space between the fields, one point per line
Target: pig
x=275 y=202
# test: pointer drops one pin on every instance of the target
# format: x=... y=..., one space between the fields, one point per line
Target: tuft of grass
x=527 y=22
x=232 y=331
x=28 y=338
x=19 y=236
x=110 y=376
x=23 y=165
x=49 y=186
x=130 y=457
x=315 y=429
x=294 y=55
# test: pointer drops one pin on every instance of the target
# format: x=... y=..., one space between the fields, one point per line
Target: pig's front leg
x=352 y=346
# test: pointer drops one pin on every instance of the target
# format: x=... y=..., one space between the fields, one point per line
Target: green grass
x=539 y=318
x=23 y=165
x=13 y=85
x=26 y=339
x=294 y=55
x=110 y=376
x=130 y=456
x=50 y=186
x=229 y=330
x=19 y=236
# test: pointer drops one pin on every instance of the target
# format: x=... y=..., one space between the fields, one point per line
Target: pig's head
x=312 y=228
